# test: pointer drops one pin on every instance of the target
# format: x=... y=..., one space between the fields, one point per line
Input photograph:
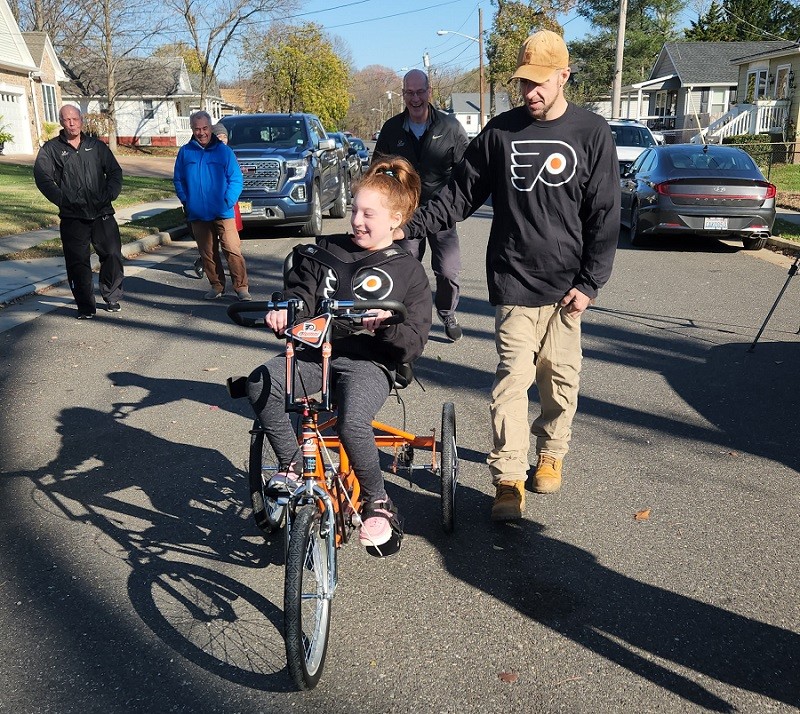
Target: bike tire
x=269 y=517
x=448 y=468
x=306 y=607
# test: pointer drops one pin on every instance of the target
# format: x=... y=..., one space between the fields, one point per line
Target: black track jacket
x=82 y=182
x=433 y=156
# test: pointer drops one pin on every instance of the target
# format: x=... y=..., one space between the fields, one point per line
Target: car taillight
x=665 y=189
x=772 y=191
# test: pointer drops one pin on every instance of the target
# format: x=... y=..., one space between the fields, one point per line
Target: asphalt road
x=132 y=579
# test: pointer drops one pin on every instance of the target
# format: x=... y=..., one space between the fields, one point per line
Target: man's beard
x=541 y=114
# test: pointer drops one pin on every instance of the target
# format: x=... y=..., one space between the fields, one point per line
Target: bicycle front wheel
x=306 y=599
x=449 y=466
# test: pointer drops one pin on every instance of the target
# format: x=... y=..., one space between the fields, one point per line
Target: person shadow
x=634 y=624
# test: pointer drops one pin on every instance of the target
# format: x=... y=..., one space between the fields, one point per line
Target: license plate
x=716 y=224
x=247 y=207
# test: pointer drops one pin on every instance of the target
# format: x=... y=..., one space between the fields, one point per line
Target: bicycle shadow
x=566 y=589
x=157 y=521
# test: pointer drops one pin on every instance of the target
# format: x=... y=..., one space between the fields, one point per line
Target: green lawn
x=23 y=208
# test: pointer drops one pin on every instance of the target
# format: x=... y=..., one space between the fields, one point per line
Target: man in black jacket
x=434 y=143
x=552 y=172
x=80 y=175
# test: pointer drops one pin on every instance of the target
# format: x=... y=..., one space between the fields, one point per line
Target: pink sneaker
x=381 y=532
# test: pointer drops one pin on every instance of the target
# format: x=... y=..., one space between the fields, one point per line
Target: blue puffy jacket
x=208 y=180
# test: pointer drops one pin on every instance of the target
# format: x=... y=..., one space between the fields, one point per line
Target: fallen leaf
x=213 y=406
x=642 y=515
x=733 y=453
x=508 y=677
x=210 y=369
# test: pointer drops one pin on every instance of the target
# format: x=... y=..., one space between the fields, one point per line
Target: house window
x=782 y=82
x=716 y=101
x=756 y=85
x=49 y=102
x=469 y=118
x=148 y=112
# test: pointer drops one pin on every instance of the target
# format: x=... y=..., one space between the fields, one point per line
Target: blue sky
x=397 y=34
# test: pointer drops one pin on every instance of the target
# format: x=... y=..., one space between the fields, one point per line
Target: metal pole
x=792 y=273
x=480 y=67
x=616 y=87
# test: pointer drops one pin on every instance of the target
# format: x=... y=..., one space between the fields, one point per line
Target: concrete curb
x=129 y=250
x=783 y=244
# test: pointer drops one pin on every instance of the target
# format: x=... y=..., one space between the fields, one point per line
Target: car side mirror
x=326 y=144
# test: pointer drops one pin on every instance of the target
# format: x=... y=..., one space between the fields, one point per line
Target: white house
x=30 y=92
x=155 y=97
x=465 y=106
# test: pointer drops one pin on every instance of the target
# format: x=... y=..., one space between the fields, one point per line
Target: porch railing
x=763 y=117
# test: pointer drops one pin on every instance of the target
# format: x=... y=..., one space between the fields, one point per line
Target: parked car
x=351 y=162
x=376 y=135
x=704 y=190
x=292 y=170
x=631 y=138
x=363 y=151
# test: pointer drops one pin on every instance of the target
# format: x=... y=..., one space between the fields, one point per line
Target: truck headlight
x=296 y=169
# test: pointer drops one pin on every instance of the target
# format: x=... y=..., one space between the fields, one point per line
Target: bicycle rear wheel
x=306 y=603
x=448 y=469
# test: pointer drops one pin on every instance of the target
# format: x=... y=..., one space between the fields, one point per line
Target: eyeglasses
x=418 y=93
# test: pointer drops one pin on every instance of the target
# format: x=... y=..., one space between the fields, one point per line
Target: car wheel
x=339 y=207
x=313 y=227
x=634 y=231
x=754 y=243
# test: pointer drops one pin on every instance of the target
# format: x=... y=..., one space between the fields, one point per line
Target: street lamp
x=479 y=40
x=380 y=113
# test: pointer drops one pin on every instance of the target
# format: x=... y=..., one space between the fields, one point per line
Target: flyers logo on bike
x=552 y=163
x=311 y=332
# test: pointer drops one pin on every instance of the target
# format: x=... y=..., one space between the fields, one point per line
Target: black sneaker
x=84 y=316
x=451 y=327
x=113 y=307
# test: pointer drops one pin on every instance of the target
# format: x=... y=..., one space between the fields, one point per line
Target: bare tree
x=117 y=32
x=213 y=25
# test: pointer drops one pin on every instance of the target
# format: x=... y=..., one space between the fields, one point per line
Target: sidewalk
x=19 y=278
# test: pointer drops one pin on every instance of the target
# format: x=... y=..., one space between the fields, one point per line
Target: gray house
x=691 y=86
x=466 y=108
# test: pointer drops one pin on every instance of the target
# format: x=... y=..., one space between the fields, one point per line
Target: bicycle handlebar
x=237 y=310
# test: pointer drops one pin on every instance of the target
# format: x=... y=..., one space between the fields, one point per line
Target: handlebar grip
x=237 y=310
x=395 y=306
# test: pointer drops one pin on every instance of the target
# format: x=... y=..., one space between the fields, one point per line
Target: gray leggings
x=360 y=390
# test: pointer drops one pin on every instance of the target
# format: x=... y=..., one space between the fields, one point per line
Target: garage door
x=14 y=113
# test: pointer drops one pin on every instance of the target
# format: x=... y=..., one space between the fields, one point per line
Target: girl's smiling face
x=372 y=220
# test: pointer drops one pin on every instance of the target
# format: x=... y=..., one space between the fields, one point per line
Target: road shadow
x=622 y=619
x=174 y=516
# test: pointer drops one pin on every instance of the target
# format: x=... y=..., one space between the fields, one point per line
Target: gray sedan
x=703 y=190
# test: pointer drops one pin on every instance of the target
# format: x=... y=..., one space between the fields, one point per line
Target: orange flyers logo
x=552 y=163
x=311 y=332
x=372 y=283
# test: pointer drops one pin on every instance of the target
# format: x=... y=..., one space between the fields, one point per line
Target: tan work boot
x=509 y=501
x=547 y=478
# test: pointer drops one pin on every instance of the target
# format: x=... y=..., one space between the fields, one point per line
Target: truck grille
x=264 y=174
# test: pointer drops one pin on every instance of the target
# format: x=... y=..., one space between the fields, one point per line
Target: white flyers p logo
x=551 y=162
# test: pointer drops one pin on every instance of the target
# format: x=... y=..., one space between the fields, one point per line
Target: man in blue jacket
x=208 y=182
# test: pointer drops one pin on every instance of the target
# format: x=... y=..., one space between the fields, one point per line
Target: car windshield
x=278 y=132
x=358 y=144
x=713 y=160
x=632 y=136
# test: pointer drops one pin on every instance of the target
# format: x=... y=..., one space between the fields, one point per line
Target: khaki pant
x=206 y=234
x=534 y=344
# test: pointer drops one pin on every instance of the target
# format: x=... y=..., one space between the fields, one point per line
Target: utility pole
x=616 y=87
x=480 y=67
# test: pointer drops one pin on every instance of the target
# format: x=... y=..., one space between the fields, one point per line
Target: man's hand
x=575 y=302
